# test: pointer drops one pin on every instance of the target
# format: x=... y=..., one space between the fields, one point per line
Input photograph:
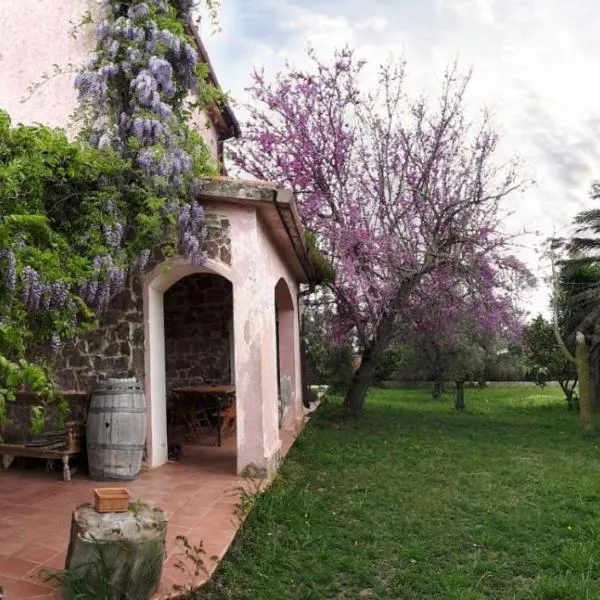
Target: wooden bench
x=9 y=452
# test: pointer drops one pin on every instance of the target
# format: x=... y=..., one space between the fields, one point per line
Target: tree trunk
x=361 y=381
x=583 y=374
x=568 y=387
x=594 y=361
x=436 y=392
x=459 y=398
x=581 y=360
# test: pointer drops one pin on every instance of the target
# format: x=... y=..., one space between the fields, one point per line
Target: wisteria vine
x=135 y=93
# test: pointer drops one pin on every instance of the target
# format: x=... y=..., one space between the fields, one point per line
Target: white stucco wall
x=35 y=35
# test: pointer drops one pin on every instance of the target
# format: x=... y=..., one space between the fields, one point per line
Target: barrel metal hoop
x=95 y=446
x=115 y=409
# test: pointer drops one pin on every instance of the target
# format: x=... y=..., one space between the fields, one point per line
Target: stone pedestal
x=117 y=555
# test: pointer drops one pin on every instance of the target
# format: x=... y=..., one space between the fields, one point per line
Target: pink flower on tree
x=401 y=194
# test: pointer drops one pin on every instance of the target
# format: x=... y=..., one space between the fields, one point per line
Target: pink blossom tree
x=398 y=192
x=452 y=325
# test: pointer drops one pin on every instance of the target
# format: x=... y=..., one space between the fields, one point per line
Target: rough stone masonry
x=116 y=348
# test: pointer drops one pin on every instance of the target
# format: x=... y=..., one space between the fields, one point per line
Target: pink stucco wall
x=275 y=269
x=34 y=36
x=255 y=270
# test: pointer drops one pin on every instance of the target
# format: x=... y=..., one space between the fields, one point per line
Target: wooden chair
x=228 y=419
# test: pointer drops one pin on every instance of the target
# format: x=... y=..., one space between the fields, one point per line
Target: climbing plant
x=59 y=263
x=77 y=218
x=138 y=97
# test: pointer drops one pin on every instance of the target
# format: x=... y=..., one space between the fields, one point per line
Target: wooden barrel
x=116 y=430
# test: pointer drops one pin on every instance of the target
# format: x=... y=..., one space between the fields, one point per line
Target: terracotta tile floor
x=199 y=495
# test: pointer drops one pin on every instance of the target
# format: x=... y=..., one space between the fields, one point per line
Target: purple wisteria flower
x=189 y=56
x=162 y=72
x=162 y=109
x=138 y=11
x=113 y=234
x=144 y=86
x=105 y=140
x=159 y=68
x=55 y=342
x=160 y=4
x=195 y=189
x=60 y=291
x=104 y=31
x=31 y=289
x=117 y=279
x=143 y=260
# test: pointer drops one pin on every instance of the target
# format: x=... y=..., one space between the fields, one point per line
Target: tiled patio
x=198 y=494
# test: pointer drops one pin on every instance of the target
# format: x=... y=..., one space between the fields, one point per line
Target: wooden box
x=111 y=499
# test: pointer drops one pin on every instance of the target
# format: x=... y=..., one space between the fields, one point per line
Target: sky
x=533 y=65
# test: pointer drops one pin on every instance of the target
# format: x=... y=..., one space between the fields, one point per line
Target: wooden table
x=9 y=451
x=219 y=391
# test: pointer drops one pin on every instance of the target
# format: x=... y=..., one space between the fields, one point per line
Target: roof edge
x=233 y=129
x=286 y=205
x=264 y=194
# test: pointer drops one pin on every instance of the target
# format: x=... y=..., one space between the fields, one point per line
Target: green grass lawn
x=416 y=501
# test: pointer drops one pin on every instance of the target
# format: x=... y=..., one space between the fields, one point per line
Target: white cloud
x=479 y=10
x=376 y=24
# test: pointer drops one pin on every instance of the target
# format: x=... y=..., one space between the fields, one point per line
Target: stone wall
x=198 y=313
x=116 y=348
x=218 y=238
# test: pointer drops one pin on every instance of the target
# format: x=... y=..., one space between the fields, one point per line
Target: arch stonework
x=131 y=340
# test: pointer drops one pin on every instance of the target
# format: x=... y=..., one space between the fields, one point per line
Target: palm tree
x=578 y=291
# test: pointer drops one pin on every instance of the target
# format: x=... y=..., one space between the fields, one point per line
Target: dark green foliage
x=323 y=270
x=339 y=369
x=579 y=285
x=579 y=298
x=95 y=581
x=500 y=361
x=503 y=362
x=51 y=218
x=75 y=221
x=544 y=359
x=397 y=363
x=329 y=363
x=584 y=246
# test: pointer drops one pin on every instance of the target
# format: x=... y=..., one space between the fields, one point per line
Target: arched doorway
x=286 y=355
x=188 y=321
